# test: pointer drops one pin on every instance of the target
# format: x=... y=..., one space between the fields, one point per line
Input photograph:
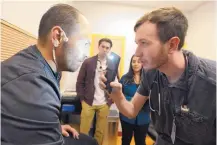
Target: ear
x=173 y=44
x=55 y=34
x=55 y=42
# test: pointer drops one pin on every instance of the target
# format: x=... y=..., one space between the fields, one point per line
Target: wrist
x=118 y=97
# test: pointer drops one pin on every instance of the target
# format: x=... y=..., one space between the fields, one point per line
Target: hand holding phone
x=112 y=70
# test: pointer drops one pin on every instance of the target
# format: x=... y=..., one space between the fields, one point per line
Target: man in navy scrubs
x=30 y=99
x=180 y=87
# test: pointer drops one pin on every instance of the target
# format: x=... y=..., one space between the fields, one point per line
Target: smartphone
x=113 y=62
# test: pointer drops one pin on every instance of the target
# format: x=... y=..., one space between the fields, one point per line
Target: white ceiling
x=186 y=6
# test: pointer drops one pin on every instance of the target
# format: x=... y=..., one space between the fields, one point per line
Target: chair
x=67 y=110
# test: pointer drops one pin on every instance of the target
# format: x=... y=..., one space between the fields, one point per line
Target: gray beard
x=73 y=59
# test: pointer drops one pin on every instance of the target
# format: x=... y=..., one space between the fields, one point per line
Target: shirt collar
x=191 y=69
x=49 y=64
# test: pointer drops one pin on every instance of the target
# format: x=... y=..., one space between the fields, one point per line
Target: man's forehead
x=84 y=25
x=82 y=28
x=104 y=43
x=146 y=31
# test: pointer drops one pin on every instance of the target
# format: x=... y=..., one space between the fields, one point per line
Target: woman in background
x=137 y=126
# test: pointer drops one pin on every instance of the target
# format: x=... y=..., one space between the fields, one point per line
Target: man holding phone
x=93 y=98
x=180 y=87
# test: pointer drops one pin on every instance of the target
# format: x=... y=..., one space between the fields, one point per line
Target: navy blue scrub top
x=30 y=100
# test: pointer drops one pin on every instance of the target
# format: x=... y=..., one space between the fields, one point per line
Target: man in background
x=93 y=98
x=30 y=96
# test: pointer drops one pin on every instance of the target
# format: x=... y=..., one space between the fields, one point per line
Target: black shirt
x=30 y=100
x=199 y=87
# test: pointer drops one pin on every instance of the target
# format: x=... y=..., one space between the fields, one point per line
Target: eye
x=144 y=43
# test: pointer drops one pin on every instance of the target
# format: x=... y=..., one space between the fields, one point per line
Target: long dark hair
x=130 y=74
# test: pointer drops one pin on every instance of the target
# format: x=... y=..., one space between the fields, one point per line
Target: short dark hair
x=62 y=15
x=170 y=22
x=105 y=40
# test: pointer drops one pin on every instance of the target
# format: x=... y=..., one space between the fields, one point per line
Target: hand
x=116 y=88
x=66 y=129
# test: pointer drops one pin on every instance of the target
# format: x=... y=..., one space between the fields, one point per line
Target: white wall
x=201 y=37
x=104 y=18
x=25 y=15
x=117 y=20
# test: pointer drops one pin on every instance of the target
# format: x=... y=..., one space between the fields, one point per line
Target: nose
x=136 y=65
x=105 y=50
x=138 y=52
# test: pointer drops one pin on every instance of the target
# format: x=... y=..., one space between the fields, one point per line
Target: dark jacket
x=85 y=82
x=30 y=100
x=129 y=89
x=198 y=85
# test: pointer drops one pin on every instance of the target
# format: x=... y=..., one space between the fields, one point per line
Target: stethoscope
x=185 y=102
x=159 y=96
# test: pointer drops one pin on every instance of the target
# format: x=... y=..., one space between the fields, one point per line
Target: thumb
x=65 y=133
x=115 y=85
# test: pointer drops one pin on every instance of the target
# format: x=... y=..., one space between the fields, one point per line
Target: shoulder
x=203 y=69
x=207 y=70
x=28 y=80
x=125 y=79
x=24 y=62
x=33 y=92
x=149 y=76
x=90 y=59
x=32 y=86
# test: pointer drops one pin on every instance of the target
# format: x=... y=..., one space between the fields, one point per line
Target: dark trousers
x=83 y=140
x=139 y=132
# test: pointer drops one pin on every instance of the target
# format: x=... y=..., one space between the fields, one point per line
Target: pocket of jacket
x=192 y=127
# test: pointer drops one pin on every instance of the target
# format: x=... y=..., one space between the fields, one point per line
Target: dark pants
x=83 y=140
x=139 y=132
